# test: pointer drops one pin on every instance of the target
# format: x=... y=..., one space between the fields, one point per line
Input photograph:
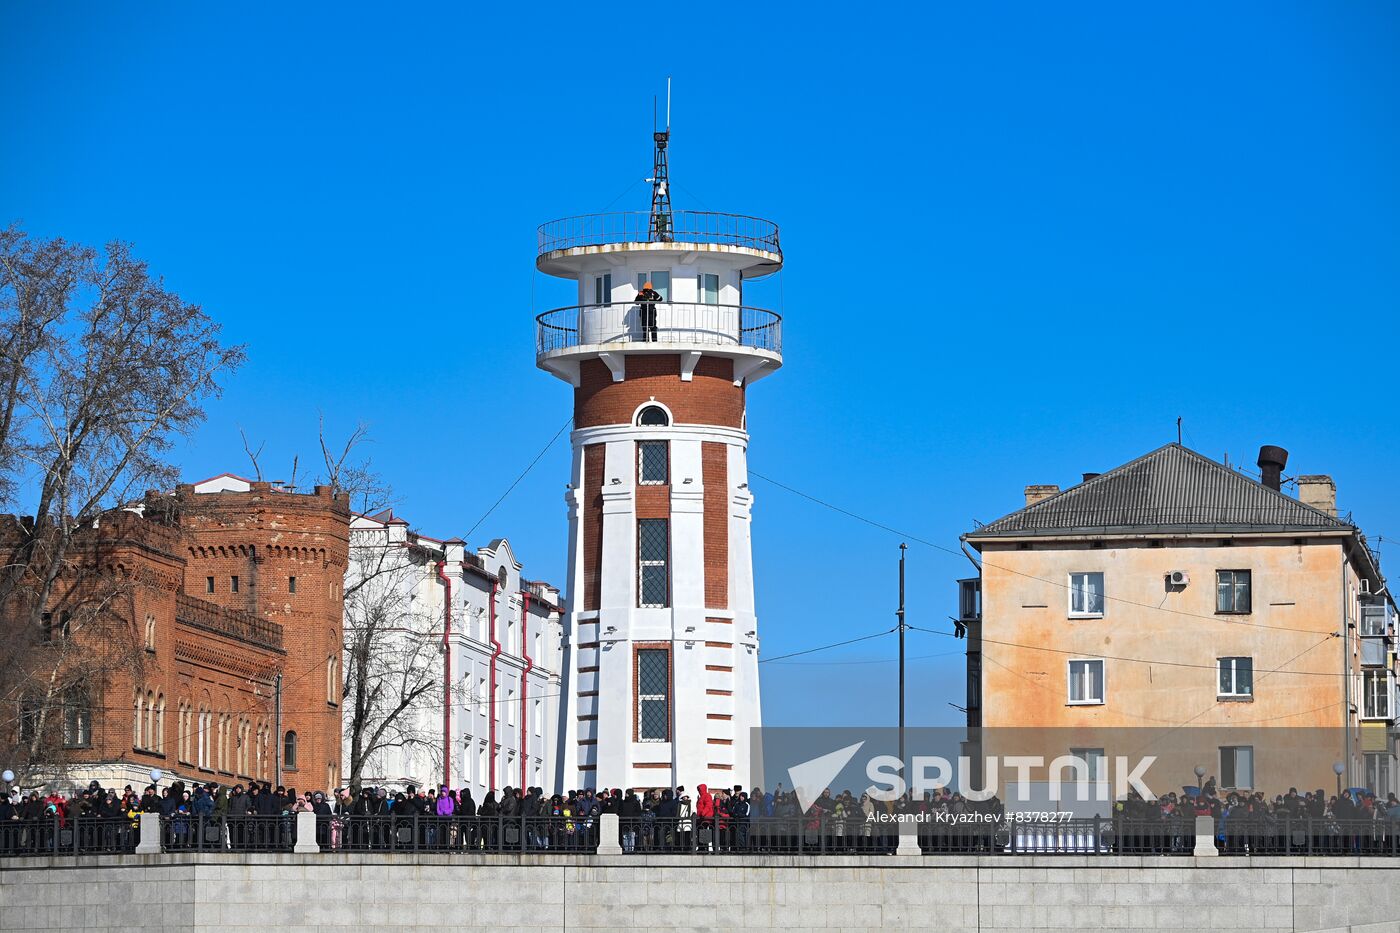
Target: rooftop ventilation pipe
x=1271 y=462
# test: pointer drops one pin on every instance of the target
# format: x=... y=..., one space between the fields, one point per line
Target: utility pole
x=902 y=548
x=277 y=736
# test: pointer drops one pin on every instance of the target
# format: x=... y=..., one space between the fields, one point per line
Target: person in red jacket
x=704 y=815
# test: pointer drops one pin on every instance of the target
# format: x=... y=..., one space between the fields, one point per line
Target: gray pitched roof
x=1171 y=488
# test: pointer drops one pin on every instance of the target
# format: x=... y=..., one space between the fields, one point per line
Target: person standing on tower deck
x=646 y=305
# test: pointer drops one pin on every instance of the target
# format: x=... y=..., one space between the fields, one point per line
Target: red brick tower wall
x=710 y=397
x=265 y=537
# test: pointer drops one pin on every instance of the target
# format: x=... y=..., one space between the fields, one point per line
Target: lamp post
x=9 y=778
x=1200 y=777
x=1337 y=769
x=156 y=775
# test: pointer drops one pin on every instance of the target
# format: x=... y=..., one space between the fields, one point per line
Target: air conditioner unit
x=1179 y=577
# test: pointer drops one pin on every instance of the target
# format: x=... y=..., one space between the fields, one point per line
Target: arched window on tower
x=653 y=416
x=289 y=750
x=151 y=633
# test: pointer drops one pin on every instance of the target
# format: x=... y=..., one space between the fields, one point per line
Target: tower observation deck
x=661 y=682
x=700 y=269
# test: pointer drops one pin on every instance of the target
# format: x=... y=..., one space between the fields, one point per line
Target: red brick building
x=229 y=584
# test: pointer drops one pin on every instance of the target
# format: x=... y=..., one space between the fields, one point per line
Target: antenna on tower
x=660 y=226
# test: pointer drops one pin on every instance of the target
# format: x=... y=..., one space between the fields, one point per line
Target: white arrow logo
x=810 y=778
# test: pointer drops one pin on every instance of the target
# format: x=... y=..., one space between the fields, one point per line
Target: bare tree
x=393 y=644
x=101 y=368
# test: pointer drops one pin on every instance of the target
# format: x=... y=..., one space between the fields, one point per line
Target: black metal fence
x=822 y=834
x=182 y=833
x=79 y=836
x=457 y=834
x=1270 y=836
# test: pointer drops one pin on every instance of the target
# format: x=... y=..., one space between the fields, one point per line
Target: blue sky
x=1021 y=241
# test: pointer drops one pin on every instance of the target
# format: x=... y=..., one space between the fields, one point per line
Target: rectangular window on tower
x=653 y=572
x=652 y=463
x=602 y=288
x=653 y=694
x=707 y=287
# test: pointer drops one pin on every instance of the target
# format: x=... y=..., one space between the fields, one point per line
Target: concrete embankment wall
x=531 y=894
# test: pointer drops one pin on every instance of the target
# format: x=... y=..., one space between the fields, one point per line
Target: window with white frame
x=653 y=571
x=482 y=700
x=1379 y=766
x=483 y=768
x=1375 y=694
x=1232 y=591
x=510 y=707
x=1236 y=677
x=707 y=288
x=653 y=467
x=1093 y=762
x=77 y=718
x=969 y=600
x=1373 y=619
x=1086 y=595
x=1237 y=766
x=537 y=717
x=1086 y=681
x=602 y=289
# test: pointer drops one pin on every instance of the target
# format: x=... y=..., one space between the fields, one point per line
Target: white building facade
x=483 y=644
x=661 y=678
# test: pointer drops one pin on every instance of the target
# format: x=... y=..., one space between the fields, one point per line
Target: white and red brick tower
x=661 y=677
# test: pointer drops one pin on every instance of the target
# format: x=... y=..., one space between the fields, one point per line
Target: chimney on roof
x=1035 y=493
x=1271 y=462
x=1319 y=492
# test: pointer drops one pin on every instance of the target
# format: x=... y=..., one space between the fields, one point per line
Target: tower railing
x=676 y=322
x=618 y=227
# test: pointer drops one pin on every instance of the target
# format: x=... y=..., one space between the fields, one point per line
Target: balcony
x=620 y=323
x=752 y=337
x=569 y=237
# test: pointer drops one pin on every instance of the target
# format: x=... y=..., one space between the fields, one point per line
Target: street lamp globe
x=8 y=777
x=156 y=775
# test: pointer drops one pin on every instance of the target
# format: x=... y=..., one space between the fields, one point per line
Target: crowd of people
x=258 y=815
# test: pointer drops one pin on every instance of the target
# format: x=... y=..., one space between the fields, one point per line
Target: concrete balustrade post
x=149 y=829
x=1205 y=838
x=608 y=835
x=908 y=837
x=306 y=833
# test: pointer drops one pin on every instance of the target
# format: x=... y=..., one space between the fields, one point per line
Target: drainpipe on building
x=491 y=714
x=524 y=679
x=446 y=675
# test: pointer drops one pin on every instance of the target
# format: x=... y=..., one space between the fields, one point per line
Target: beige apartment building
x=1179 y=608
